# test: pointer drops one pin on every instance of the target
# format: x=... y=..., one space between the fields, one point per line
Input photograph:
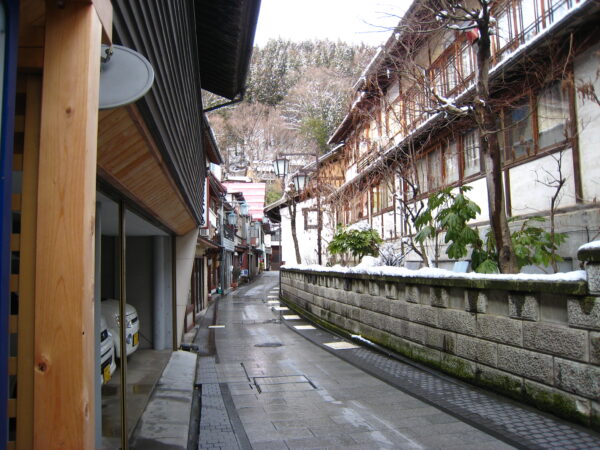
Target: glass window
x=385 y=189
x=438 y=81
x=467 y=57
x=552 y=116
x=504 y=29
x=520 y=134
x=557 y=9
x=435 y=169
x=363 y=147
x=451 y=74
x=471 y=153
x=528 y=19
x=419 y=104
x=450 y=159
x=422 y=175
x=375 y=196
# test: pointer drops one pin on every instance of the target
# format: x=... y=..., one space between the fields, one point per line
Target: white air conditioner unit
x=204 y=232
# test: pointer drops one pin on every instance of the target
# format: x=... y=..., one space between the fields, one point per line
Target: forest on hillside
x=297 y=94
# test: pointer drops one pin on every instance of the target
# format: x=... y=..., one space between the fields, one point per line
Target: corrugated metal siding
x=165 y=32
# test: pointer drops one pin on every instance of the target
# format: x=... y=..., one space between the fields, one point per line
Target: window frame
x=566 y=97
x=463 y=153
x=509 y=150
x=378 y=192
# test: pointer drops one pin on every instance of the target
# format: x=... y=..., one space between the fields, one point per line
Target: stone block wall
x=532 y=340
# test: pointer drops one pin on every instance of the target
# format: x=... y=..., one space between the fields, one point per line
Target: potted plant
x=235 y=275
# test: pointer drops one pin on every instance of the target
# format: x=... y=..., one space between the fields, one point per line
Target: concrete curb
x=165 y=421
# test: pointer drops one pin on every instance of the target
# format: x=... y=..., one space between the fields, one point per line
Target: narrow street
x=280 y=390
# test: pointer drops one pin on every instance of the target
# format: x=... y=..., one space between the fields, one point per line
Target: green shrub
x=357 y=243
x=450 y=211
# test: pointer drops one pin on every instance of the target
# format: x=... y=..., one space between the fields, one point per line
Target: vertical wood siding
x=165 y=33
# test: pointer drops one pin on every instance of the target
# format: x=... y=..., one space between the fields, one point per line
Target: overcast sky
x=353 y=21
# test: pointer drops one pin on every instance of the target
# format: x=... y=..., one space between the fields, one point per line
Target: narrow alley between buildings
x=267 y=378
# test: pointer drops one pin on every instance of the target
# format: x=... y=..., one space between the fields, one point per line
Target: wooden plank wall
x=129 y=160
x=165 y=33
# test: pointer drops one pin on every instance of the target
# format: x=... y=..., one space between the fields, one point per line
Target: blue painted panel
x=8 y=66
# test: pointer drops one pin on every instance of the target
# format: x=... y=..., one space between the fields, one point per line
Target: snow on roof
x=430 y=272
x=365 y=73
x=396 y=36
x=277 y=203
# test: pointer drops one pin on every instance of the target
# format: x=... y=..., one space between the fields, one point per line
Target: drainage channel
x=515 y=424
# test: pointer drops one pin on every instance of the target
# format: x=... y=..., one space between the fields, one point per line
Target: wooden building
x=100 y=201
x=411 y=132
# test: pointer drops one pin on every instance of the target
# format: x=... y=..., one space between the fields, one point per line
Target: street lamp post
x=281 y=166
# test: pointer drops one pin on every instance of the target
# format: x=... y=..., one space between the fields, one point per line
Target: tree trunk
x=293 y=224
x=490 y=148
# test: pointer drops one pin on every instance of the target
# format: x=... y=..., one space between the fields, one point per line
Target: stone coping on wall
x=589 y=252
x=570 y=283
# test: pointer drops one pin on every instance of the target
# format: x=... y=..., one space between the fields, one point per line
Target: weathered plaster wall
x=307 y=239
x=588 y=124
x=527 y=193
x=534 y=341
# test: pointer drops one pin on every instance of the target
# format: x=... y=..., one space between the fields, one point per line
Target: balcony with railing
x=517 y=24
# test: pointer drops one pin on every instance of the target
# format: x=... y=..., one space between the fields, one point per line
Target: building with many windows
x=414 y=128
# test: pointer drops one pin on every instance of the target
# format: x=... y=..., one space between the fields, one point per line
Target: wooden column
x=24 y=437
x=64 y=296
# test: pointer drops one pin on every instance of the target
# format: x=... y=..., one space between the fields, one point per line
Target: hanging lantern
x=281 y=166
x=244 y=209
x=472 y=35
x=231 y=218
x=299 y=181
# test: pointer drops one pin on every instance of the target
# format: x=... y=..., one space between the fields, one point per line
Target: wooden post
x=64 y=295
x=26 y=345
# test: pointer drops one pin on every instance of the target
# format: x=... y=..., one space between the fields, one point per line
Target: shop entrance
x=134 y=317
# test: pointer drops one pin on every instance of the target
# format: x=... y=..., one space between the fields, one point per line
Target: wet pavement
x=144 y=368
x=268 y=379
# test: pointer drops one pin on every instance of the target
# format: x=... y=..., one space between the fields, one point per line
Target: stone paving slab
x=517 y=424
x=326 y=415
x=216 y=430
x=348 y=407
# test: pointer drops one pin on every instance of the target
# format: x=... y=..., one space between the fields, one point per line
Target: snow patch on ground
x=358 y=337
